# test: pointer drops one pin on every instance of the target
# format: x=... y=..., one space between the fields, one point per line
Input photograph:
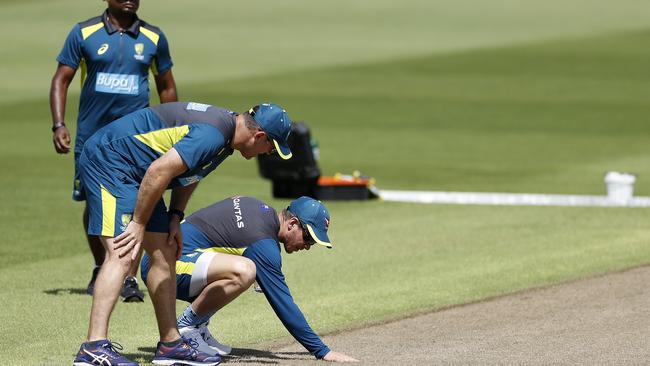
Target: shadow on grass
x=66 y=291
x=238 y=355
x=249 y=355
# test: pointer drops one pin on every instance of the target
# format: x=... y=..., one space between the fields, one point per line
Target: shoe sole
x=170 y=362
x=220 y=351
x=133 y=299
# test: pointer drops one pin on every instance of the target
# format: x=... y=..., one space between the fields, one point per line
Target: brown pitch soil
x=597 y=321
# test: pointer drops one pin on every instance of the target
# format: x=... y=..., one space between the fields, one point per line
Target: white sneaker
x=222 y=349
x=196 y=339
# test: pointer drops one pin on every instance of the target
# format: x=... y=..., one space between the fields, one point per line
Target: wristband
x=179 y=213
x=57 y=126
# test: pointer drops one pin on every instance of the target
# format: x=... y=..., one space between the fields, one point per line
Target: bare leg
x=107 y=290
x=133 y=271
x=228 y=276
x=161 y=282
x=94 y=243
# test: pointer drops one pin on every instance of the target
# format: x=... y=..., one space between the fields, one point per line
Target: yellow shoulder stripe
x=151 y=35
x=87 y=31
x=164 y=139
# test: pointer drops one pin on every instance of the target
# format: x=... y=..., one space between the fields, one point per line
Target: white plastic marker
x=620 y=190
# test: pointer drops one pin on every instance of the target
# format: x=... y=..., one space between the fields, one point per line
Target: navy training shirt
x=114 y=69
x=249 y=227
x=200 y=133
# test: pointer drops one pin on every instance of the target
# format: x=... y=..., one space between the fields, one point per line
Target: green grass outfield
x=431 y=95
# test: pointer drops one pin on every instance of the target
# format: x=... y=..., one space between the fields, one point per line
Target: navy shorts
x=78 y=193
x=191 y=273
x=111 y=198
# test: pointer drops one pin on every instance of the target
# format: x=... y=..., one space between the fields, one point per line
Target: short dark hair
x=286 y=214
x=249 y=120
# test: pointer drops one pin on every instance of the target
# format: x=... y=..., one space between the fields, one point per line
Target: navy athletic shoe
x=131 y=292
x=184 y=353
x=102 y=353
x=91 y=284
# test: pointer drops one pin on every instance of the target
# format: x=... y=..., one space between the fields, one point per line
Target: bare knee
x=112 y=259
x=244 y=271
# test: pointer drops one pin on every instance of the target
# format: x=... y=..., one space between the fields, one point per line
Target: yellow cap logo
x=102 y=49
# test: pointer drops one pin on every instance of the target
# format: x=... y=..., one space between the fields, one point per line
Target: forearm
x=279 y=297
x=181 y=195
x=166 y=87
x=58 y=97
x=151 y=190
x=154 y=183
x=168 y=95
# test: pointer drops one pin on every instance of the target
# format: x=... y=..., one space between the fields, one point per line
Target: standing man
x=126 y=167
x=115 y=52
x=230 y=244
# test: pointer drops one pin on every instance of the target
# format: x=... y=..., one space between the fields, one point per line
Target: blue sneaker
x=184 y=353
x=102 y=353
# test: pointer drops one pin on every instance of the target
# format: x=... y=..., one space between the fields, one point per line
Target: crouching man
x=232 y=243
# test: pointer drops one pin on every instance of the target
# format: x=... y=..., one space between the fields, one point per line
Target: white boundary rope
x=509 y=199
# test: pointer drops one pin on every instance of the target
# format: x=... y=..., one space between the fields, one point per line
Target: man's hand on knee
x=175 y=235
x=130 y=240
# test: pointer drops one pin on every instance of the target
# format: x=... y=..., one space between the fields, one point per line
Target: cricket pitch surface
x=600 y=320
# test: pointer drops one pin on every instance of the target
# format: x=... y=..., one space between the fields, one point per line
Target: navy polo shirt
x=114 y=69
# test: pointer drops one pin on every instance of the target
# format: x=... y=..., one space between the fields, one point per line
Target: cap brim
x=283 y=150
x=320 y=237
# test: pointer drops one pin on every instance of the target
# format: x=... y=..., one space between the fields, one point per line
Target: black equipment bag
x=297 y=176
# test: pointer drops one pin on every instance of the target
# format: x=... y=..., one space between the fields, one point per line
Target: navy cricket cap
x=276 y=123
x=315 y=216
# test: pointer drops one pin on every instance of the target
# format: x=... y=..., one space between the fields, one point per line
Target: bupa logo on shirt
x=116 y=83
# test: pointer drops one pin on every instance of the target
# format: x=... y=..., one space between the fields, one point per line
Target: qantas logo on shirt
x=238 y=215
x=116 y=83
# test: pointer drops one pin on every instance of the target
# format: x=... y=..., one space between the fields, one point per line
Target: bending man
x=230 y=244
x=126 y=166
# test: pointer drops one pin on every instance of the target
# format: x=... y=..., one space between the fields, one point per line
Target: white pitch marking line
x=509 y=199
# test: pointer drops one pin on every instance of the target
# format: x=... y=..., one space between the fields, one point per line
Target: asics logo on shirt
x=102 y=49
x=116 y=83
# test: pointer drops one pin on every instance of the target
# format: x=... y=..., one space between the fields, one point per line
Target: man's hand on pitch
x=175 y=235
x=338 y=357
x=130 y=240
x=61 y=140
